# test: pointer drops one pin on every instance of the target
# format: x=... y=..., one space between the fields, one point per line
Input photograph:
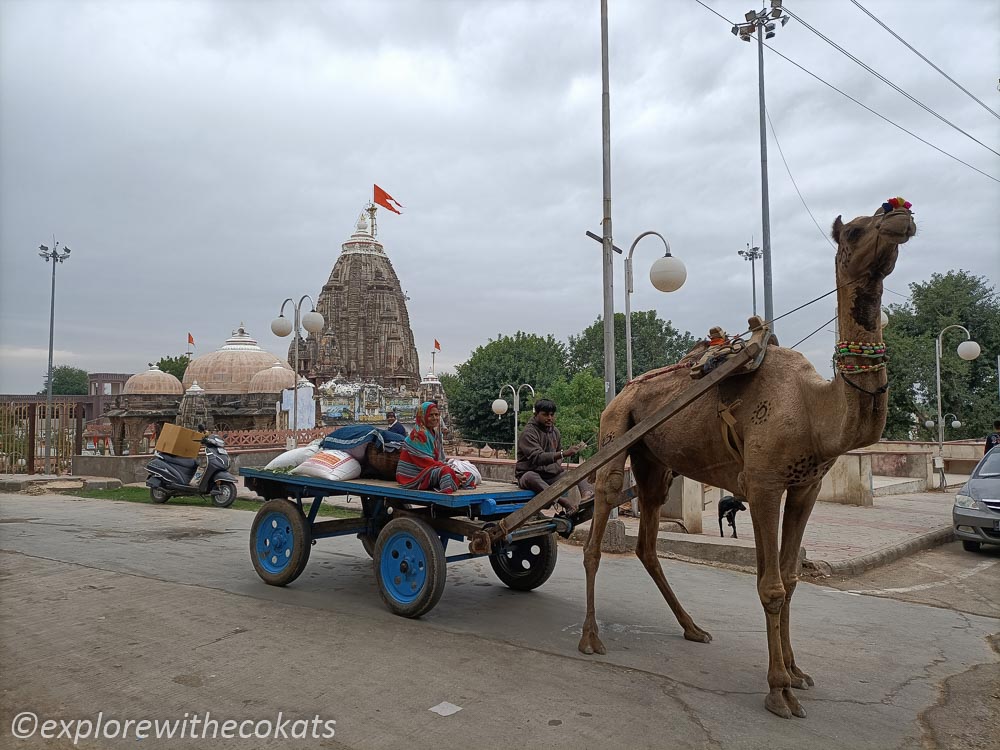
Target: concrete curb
x=862 y=563
x=19 y=483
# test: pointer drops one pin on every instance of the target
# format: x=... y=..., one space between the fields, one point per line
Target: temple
x=366 y=337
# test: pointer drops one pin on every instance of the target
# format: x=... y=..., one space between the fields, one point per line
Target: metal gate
x=23 y=436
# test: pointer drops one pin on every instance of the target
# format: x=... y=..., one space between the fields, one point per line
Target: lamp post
x=762 y=23
x=500 y=406
x=752 y=254
x=313 y=322
x=967 y=350
x=56 y=256
x=667 y=274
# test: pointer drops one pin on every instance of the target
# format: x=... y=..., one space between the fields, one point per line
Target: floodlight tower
x=764 y=23
x=56 y=256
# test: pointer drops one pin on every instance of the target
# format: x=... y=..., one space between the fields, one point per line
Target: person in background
x=394 y=426
x=540 y=455
x=422 y=464
x=993 y=439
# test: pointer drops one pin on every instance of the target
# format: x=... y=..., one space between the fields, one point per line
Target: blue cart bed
x=405 y=531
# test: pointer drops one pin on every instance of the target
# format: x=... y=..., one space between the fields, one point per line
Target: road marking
x=924 y=586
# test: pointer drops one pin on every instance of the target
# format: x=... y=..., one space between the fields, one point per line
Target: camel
x=793 y=424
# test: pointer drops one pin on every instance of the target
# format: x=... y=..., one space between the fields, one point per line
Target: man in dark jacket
x=540 y=455
x=395 y=426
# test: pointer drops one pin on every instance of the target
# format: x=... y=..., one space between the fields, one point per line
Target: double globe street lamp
x=313 y=322
x=500 y=406
x=667 y=274
x=967 y=350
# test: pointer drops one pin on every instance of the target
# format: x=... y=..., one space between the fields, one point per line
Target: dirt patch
x=964 y=718
x=48 y=488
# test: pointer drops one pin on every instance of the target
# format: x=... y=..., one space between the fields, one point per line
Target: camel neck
x=864 y=404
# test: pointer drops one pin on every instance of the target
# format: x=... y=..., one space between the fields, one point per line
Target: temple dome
x=153 y=381
x=274 y=379
x=231 y=368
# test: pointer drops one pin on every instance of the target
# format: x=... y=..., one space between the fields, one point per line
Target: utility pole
x=608 y=256
x=763 y=23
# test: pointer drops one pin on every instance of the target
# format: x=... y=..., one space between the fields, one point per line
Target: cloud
x=205 y=160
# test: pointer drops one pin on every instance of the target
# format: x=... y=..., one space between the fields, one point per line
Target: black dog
x=729 y=506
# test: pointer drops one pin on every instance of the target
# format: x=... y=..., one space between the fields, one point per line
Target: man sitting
x=540 y=455
x=394 y=426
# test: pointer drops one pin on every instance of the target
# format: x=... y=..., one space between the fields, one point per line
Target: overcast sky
x=205 y=160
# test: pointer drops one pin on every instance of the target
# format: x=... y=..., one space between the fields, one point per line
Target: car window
x=990 y=467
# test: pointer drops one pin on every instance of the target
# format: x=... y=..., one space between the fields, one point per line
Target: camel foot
x=775 y=703
x=591 y=644
x=694 y=633
x=800 y=679
x=793 y=703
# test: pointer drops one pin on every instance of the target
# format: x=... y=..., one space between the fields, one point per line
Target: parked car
x=976 y=515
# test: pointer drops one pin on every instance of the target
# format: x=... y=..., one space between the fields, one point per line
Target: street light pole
x=313 y=323
x=762 y=23
x=967 y=350
x=667 y=274
x=55 y=256
x=500 y=406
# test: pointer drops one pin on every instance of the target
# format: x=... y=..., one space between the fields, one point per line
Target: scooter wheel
x=158 y=495
x=226 y=495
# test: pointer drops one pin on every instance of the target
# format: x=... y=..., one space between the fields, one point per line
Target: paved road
x=145 y=611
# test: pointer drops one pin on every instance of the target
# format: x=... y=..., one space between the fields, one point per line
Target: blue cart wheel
x=527 y=563
x=279 y=542
x=410 y=567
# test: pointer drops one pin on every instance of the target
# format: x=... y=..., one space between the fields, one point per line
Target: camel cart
x=407 y=532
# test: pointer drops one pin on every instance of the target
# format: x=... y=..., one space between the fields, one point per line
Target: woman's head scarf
x=422 y=440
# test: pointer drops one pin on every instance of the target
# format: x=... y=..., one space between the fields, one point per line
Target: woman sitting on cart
x=422 y=464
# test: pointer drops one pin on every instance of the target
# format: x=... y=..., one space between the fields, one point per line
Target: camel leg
x=764 y=507
x=652 y=485
x=798 y=506
x=609 y=484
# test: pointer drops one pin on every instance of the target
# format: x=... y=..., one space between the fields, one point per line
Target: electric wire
x=886 y=81
x=880 y=116
x=794 y=184
x=814 y=332
x=914 y=51
x=863 y=106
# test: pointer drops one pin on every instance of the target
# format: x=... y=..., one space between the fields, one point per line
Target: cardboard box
x=179 y=441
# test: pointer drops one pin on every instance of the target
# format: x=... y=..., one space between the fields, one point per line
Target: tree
x=579 y=403
x=655 y=343
x=522 y=358
x=66 y=381
x=176 y=366
x=968 y=389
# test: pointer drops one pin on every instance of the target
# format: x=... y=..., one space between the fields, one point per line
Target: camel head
x=868 y=245
x=867 y=248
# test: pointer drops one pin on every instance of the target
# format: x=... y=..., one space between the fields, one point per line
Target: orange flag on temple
x=437 y=345
x=191 y=339
x=386 y=201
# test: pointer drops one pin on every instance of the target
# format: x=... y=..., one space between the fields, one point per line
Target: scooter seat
x=184 y=463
